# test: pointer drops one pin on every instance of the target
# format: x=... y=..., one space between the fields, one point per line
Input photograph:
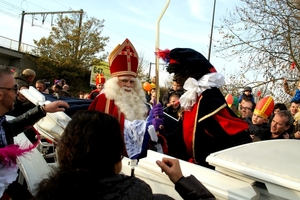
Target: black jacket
x=166 y=96
x=21 y=80
x=190 y=188
x=259 y=131
x=21 y=123
x=80 y=184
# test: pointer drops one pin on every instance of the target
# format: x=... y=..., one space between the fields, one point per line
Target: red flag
x=258 y=93
x=293 y=65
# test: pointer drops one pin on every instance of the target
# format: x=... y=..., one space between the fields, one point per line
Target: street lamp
x=211 y=30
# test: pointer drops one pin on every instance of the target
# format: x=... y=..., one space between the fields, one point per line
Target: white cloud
x=135 y=10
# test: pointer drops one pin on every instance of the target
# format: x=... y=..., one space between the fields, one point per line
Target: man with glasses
x=246 y=108
x=11 y=128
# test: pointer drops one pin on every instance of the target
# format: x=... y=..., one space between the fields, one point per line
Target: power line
x=16 y=13
x=11 y=5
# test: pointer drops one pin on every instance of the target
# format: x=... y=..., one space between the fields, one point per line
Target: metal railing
x=14 y=44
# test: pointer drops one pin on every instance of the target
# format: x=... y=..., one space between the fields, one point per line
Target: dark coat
x=217 y=126
x=165 y=98
x=73 y=185
x=190 y=188
x=21 y=80
x=21 y=123
x=261 y=132
x=243 y=95
x=20 y=107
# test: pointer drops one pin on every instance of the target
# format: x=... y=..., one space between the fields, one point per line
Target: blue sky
x=186 y=23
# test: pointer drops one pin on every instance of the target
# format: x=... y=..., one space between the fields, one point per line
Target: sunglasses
x=15 y=88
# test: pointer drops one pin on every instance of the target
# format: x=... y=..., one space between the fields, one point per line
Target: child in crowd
x=176 y=87
x=100 y=81
x=173 y=109
x=277 y=107
x=247 y=93
x=258 y=124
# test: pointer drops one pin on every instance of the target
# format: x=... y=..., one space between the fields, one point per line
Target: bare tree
x=142 y=66
x=264 y=36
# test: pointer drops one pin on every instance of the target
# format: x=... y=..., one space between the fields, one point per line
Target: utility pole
x=79 y=33
x=151 y=63
x=211 y=30
x=44 y=14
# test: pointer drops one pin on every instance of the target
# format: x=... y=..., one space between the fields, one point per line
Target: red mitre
x=123 y=60
x=100 y=79
x=264 y=107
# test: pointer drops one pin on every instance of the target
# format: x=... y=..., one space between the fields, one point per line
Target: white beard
x=131 y=104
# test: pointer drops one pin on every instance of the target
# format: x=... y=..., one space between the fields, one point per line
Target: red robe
x=211 y=126
x=102 y=104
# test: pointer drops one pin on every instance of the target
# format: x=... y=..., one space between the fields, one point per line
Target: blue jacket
x=243 y=95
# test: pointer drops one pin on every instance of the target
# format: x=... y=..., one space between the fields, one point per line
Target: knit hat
x=247 y=89
x=264 y=107
x=186 y=61
x=123 y=60
x=99 y=79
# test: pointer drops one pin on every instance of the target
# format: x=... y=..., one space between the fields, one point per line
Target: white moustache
x=127 y=89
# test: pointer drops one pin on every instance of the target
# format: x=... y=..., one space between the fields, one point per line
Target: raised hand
x=171 y=167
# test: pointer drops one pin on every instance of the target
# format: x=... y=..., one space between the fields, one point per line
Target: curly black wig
x=188 y=62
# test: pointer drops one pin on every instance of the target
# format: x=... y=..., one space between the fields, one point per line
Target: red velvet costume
x=208 y=124
x=102 y=104
x=123 y=61
x=211 y=126
x=99 y=79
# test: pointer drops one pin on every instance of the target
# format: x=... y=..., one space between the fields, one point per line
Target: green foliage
x=70 y=49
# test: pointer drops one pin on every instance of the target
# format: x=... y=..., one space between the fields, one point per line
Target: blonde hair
x=28 y=72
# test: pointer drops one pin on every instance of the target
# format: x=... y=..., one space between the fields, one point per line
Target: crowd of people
x=268 y=119
x=193 y=120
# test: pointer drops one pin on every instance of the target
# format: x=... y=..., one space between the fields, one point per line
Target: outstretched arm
x=287 y=89
x=188 y=187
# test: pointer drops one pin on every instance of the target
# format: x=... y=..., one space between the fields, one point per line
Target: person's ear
x=287 y=127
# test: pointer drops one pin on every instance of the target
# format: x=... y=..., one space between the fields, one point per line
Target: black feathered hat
x=186 y=62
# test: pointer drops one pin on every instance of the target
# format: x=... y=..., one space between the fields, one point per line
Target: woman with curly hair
x=89 y=156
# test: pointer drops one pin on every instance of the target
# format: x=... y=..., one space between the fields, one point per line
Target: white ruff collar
x=195 y=88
